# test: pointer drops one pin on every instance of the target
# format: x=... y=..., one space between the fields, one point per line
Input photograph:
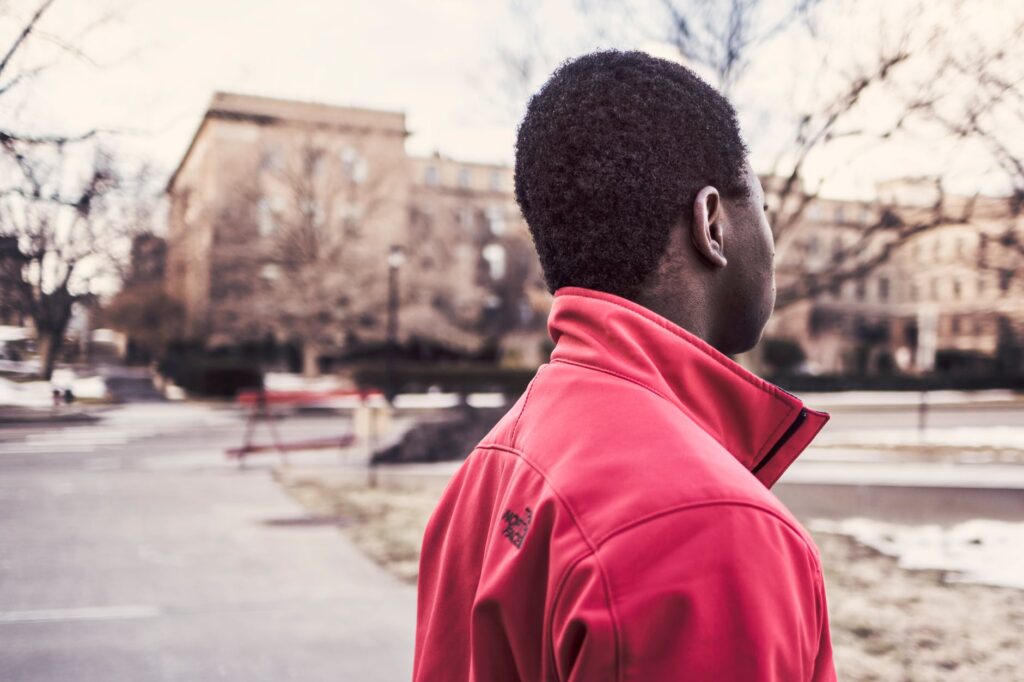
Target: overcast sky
x=149 y=72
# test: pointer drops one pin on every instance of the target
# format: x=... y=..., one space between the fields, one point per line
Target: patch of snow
x=1010 y=437
x=25 y=394
x=20 y=366
x=977 y=551
x=834 y=455
x=906 y=474
x=89 y=387
x=347 y=402
x=11 y=333
x=426 y=400
x=282 y=381
x=174 y=392
x=486 y=400
x=906 y=398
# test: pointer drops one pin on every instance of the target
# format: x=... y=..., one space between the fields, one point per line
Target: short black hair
x=611 y=153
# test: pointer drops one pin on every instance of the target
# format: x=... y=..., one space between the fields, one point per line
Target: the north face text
x=516 y=526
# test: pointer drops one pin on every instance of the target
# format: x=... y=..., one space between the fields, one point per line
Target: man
x=617 y=523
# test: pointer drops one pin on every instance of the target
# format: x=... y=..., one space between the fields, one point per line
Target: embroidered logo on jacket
x=516 y=526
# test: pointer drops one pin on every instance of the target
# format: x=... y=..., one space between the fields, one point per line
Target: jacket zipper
x=800 y=418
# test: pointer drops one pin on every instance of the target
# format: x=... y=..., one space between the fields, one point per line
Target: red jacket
x=616 y=524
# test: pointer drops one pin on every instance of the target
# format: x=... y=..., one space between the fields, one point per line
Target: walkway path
x=138 y=558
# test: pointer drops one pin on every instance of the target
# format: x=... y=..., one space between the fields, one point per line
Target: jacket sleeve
x=724 y=592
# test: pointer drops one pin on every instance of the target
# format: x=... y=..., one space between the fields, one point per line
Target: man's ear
x=706 y=228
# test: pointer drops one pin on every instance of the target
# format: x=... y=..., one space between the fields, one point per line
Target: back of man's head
x=610 y=155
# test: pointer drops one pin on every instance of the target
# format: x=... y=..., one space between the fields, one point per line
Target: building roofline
x=221 y=95
x=220 y=107
x=436 y=156
x=188 y=152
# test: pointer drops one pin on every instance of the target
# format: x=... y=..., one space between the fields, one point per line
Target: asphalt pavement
x=131 y=550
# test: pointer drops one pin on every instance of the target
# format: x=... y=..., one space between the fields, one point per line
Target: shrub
x=455 y=377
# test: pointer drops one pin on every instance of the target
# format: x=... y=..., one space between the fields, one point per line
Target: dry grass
x=386 y=524
x=888 y=624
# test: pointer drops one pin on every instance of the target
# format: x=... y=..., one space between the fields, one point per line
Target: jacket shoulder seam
x=738 y=503
x=609 y=594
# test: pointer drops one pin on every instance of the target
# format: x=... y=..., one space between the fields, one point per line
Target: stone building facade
x=470 y=275
x=948 y=296
x=258 y=166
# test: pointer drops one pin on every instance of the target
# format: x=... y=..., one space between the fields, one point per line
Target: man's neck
x=691 y=311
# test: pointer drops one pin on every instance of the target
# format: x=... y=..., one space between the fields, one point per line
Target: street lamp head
x=396 y=256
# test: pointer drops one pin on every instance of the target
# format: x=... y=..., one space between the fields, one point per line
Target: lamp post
x=395 y=259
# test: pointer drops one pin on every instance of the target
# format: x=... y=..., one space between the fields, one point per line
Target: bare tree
x=722 y=40
x=327 y=284
x=58 y=221
x=56 y=217
x=311 y=268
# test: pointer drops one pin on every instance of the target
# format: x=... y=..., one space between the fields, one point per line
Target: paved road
x=129 y=550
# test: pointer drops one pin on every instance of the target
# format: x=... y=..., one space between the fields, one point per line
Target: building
x=949 y=295
x=270 y=188
x=283 y=214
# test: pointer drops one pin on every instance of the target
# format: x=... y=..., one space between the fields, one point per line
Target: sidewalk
x=151 y=570
x=20 y=415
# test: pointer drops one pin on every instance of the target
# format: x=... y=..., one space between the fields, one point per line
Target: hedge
x=453 y=377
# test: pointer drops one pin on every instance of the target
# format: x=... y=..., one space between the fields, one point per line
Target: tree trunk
x=51 y=317
x=310 y=357
x=49 y=349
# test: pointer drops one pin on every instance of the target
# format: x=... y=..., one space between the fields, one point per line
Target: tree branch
x=23 y=36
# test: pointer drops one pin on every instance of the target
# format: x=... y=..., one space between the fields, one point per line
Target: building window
x=954 y=324
x=837 y=246
x=814 y=212
x=839 y=214
x=360 y=170
x=311 y=212
x=353 y=165
x=496 y=220
x=465 y=217
x=430 y=177
x=349 y=214
x=271 y=160
x=956 y=289
x=860 y=290
x=883 y=289
x=496 y=181
x=348 y=159
x=315 y=163
x=463 y=177
x=915 y=291
x=265 y=217
x=270 y=272
x=494 y=254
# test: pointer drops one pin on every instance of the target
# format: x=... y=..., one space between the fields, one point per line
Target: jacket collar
x=760 y=424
